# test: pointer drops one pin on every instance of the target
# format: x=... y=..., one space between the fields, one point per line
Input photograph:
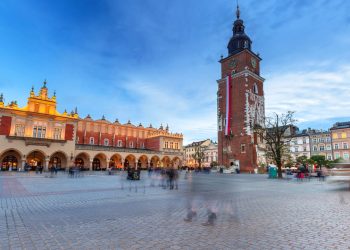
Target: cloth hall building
x=37 y=135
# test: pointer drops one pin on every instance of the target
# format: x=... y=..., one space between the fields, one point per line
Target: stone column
x=23 y=163
x=122 y=160
x=90 y=164
x=46 y=166
x=107 y=159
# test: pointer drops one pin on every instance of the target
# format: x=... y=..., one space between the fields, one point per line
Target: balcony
x=122 y=150
x=35 y=141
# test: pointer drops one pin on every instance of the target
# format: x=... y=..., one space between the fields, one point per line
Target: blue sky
x=156 y=61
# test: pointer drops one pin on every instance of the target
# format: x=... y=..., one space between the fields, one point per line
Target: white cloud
x=313 y=94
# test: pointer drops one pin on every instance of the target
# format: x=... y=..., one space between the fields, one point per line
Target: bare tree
x=198 y=155
x=277 y=132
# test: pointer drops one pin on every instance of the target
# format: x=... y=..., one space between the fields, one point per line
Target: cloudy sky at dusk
x=156 y=61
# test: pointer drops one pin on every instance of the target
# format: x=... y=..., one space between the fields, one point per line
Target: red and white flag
x=228 y=105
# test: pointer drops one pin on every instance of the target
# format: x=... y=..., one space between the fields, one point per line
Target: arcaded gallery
x=38 y=136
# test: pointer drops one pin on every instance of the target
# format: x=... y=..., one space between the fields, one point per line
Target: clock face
x=253 y=61
x=233 y=63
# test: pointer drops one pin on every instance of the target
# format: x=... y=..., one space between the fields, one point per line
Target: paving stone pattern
x=99 y=211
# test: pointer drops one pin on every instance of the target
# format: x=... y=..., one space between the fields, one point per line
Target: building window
x=335 y=136
x=329 y=157
x=255 y=89
x=39 y=132
x=242 y=148
x=296 y=149
x=343 y=135
x=166 y=144
x=314 y=140
x=315 y=148
x=304 y=149
x=143 y=145
x=345 y=145
x=171 y=144
x=336 y=146
x=91 y=141
x=304 y=141
x=120 y=143
x=328 y=147
x=57 y=133
x=106 y=142
x=131 y=144
x=346 y=156
x=322 y=140
x=336 y=155
x=176 y=145
x=19 y=130
x=322 y=148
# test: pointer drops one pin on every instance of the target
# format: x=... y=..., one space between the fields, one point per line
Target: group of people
x=168 y=177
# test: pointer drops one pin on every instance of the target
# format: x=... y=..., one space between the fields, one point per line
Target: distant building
x=190 y=149
x=321 y=143
x=210 y=154
x=341 y=140
x=300 y=145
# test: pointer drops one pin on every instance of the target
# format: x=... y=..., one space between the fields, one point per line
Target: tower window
x=255 y=89
x=242 y=148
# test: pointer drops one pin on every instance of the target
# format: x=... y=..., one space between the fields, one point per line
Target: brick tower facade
x=240 y=103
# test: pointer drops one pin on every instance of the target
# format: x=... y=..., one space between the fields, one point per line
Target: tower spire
x=238 y=12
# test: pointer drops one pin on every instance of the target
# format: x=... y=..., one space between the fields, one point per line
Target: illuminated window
x=343 y=135
x=335 y=136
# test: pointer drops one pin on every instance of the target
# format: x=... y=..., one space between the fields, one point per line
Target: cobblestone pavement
x=107 y=212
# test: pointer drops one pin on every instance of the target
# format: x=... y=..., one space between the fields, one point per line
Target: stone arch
x=155 y=161
x=10 y=159
x=143 y=162
x=130 y=161
x=36 y=159
x=116 y=161
x=59 y=159
x=82 y=160
x=166 y=162
x=99 y=162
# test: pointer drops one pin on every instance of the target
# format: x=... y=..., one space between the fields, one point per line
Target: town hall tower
x=240 y=101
